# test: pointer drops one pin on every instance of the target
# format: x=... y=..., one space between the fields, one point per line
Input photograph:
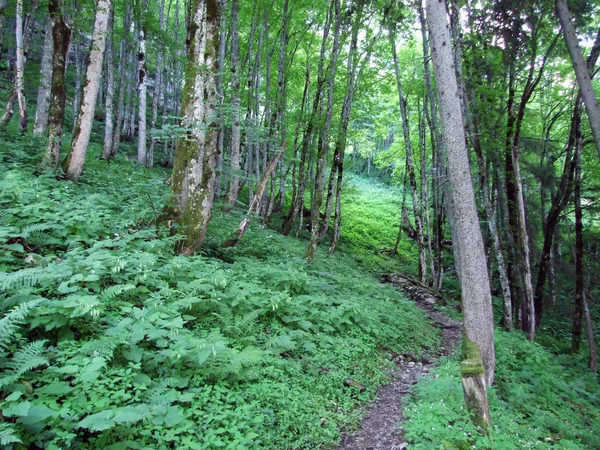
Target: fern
x=24 y=278
x=9 y=434
x=30 y=229
x=28 y=358
x=113 y=292
x=16 y=317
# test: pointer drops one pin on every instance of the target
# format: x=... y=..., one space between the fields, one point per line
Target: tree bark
x=109 y=121
x=3 y=4
x=20 y=70
x=83 y=128
x=323 y=151
x=409 y=162
x=196 y=154
x=579 y=286
x=581 y=72
x=61 y=35
x=255 y=206
x=123 y=58
x=158 y=88
x=235 y=154
x=43 y=97
x=478 y=360
x=142 y=155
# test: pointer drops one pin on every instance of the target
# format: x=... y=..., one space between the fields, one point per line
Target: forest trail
x=379 y=429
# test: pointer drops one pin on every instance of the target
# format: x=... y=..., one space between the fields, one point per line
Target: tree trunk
x=158 y=88
x=409 y=163
x=478 y=359
x=593 y=359
x=255 y=206
x=323 y=151
x=43 y=97
x=581 y=72
x=196 y=154
x=340 y=143
x=3 y=4
x=83 y=128
x=142 y=156
x=123 y=58
x=61 y=35
x=578 y=313
x=20 y=70
x=109 y=122
x=235 y=154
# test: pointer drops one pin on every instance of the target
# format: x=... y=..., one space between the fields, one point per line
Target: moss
x=471 y=364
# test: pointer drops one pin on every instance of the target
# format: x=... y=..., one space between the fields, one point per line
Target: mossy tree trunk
x=478 y=360
x=196 y=153
x=61 y=35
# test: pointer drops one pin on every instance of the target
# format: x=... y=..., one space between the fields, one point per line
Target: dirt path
x=380 y=429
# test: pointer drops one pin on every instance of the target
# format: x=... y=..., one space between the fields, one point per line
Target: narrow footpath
x=381 y=428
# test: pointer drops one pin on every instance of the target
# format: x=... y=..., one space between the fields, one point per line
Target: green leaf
x=15 y=248
x=99 y=422
x=17 y=409
x=37 y=413
x=56 y=388
x=14 y=396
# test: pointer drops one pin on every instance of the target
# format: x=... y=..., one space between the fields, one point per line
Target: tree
x=61 y=35
x=20 y=69
x=478 y=358
x=196 y=153
x=581 y=72
x=85 y=118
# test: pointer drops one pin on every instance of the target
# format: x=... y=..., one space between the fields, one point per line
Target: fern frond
x=23 y=278
x=115 y=291
x=30 y=229
x=28 y=358
x=104 y=347
x=15 y=317
x=281 y=343
x=9 y=434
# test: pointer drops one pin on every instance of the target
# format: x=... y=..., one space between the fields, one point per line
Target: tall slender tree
x=83 y=127
x=478 y=358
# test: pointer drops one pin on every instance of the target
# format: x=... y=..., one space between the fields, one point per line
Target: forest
x=293 y=224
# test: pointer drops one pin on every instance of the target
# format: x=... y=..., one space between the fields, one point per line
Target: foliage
x=110 y=340
x=538 y=401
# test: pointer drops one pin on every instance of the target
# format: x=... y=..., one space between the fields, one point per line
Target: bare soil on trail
x=381 y=428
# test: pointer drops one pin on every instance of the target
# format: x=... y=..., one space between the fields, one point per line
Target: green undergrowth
x=539 y=400
x=110 y=340
x=370 y=218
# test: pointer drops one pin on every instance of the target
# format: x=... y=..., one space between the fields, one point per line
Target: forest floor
x=381 y=428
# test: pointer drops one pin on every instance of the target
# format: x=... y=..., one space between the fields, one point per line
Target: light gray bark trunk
x=83 y=128
x=109 y=122
x=20 y=70
x=158 y=88
x=123 y=58
x=478 y=360
x=235 y=155
x=43 y=97
x=581 y=72
x=142 y=154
